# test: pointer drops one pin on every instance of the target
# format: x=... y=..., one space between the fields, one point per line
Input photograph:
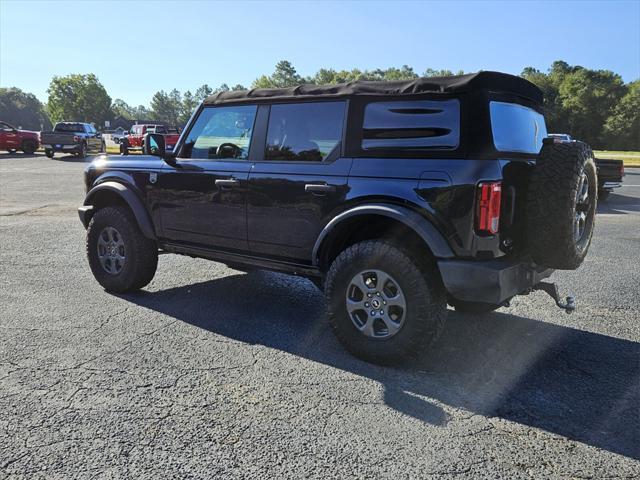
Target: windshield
x=517 y=128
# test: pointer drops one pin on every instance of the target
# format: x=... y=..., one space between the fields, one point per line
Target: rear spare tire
x=561 y=205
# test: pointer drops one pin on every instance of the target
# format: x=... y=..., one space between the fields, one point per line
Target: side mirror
x=154 y=145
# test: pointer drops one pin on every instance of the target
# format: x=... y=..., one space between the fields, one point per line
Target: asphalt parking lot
x=213 y=373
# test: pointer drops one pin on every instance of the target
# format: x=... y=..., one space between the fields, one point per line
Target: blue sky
x=138 y=47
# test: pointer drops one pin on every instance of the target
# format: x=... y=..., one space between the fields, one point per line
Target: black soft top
x=492 y=81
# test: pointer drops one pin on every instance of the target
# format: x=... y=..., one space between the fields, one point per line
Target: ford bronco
x=396 y=198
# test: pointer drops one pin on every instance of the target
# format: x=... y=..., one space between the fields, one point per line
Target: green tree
x=284 y=75
x=22 y=109
x=120 y=108
x=80 y=98
x=622 y=128
x=167 y=107
x=189 y=105
x=588 y=97
x=202 y=92
x=430 y=72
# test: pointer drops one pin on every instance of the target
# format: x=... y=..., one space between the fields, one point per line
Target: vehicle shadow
x=619 y=204
x=573 y=383
x=19 y=154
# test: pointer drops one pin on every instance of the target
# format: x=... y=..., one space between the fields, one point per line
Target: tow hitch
x=552 y=290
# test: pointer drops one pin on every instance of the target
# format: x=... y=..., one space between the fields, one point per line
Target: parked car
x=135 y=139
x=72 y=137
x=610 y=175
x=13 y=139
x=396 y=198
x=610 y=171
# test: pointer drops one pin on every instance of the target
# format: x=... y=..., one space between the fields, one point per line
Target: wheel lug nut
x=369 y=295
x=373 y=313
x=378 y=293
x=384 y=303
x=381 y=312
x=366 y=304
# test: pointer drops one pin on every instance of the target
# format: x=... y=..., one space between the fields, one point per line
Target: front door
x=9 y=138
x=202 y=201
x=299 y=180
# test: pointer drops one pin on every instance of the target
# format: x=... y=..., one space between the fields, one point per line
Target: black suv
x=395 y=197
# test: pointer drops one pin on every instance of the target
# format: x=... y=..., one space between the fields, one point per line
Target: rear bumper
x=609 y=185
x=491 y=281
x=62 y=148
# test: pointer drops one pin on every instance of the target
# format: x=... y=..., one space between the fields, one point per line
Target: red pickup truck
x=12 y=139
x=135 y=139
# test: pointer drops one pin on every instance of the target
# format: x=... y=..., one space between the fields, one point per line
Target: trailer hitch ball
x=569 y=304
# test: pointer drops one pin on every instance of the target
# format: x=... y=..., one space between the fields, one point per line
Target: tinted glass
x=304 y=131
x=222 y=132
x=517 y=128
x=69 y=127
x=412 y=124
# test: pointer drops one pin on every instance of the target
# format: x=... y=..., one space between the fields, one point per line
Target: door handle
x=226 y=182
x=319 y=189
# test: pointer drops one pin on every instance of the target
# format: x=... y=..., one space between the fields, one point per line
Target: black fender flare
x=422 y=226
x=132 y=200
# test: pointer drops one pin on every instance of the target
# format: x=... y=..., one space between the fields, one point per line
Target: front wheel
x=121 y=258
x=383 y=307
x=49 y=153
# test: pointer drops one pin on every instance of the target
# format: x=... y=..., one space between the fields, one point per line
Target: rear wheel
x=28 y=147
x=49 y=153
x=82 y=153
x=383 y=307
x=121 y=258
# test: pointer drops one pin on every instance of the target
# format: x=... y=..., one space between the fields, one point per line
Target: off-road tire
x=141 y=253
x=475 y=308
x=551 y=205
x=423 y=291
x=49 y=153
x=28 y=147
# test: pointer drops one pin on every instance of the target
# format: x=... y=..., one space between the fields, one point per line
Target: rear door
x=202 y=201
x=298 y=179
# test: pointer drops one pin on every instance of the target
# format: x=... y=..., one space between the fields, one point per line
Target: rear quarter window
x=412 y=125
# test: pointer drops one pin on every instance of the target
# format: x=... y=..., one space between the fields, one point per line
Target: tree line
x=592 y=105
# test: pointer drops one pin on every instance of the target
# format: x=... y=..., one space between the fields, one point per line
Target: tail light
x=488 y=212
x=76 y=138
x=622 y=170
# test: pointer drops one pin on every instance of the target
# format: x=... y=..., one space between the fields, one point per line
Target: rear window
x=516 y=128
x=412 y=125
x=69 y=127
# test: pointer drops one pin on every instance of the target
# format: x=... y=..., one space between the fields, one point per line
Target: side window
x=221 y=132
x=412 y=125
x=304 y=131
